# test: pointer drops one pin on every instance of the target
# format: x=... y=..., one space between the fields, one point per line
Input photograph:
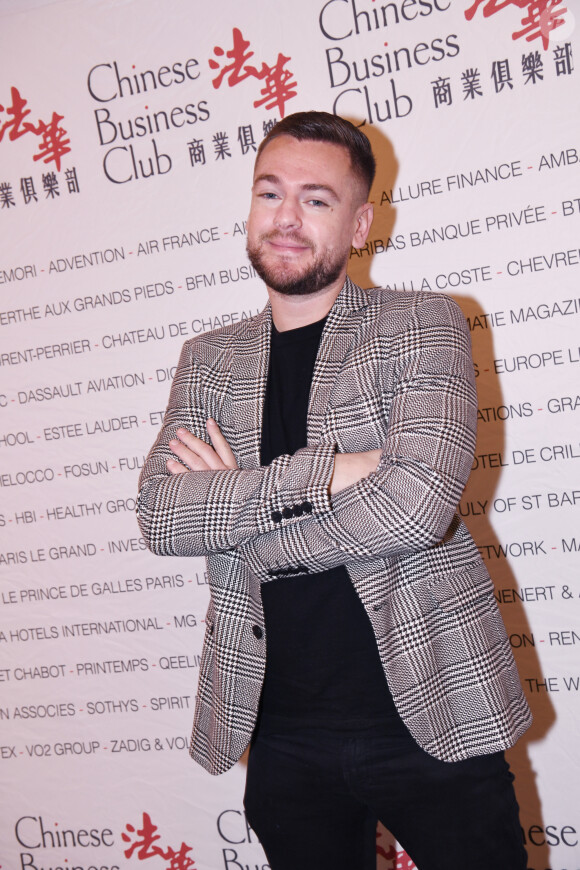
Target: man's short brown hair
x=324 y=127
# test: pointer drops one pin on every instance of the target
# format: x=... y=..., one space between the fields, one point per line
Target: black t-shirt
x=323 y=664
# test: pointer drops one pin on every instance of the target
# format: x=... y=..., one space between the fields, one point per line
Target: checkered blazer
x=394 y=370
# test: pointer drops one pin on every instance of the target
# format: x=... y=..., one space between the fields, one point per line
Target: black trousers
x=313 y=797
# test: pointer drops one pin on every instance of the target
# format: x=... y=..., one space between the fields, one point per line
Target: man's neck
x=290 y=312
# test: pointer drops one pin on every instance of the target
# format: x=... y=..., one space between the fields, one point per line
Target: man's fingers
x=189 y=460
x=175 y=467
x=220 y=444
x=196 y=454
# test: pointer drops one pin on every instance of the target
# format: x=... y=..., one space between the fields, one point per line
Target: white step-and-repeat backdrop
x=127 y=137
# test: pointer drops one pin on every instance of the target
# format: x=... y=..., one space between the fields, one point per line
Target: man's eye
x=268 y=195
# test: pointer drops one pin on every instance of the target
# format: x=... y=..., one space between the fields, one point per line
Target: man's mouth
x=287 y=243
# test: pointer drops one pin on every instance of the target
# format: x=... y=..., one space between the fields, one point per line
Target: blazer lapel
x=337 y=338
x=243 y=405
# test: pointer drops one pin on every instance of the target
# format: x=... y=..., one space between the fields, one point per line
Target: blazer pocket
x=454 y=590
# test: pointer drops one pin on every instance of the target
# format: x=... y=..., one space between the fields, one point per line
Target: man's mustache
x=292 y=236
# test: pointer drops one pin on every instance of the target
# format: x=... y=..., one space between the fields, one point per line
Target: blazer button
x=276 y=516
x=287 y=513
x=257 y=632
x=306 y=507
x=298 y=510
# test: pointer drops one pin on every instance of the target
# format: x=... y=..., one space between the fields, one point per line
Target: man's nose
x=288 y=214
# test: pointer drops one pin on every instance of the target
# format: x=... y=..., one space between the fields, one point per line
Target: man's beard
x=284 y=278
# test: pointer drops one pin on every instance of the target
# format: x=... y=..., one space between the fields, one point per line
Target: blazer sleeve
x=408 y=503
x=197 y=513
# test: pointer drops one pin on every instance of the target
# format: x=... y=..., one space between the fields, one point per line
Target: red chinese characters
x=54 y=139
x=278 y=83
x=542 y=16
x=144 y=844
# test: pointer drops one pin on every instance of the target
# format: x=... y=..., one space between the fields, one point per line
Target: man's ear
x=364 y=219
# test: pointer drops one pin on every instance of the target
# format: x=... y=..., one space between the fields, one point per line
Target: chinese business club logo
x=132 y=149
x=143 y=844
x=540 y=19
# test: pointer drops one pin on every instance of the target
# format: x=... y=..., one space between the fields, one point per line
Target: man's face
x=305 y=215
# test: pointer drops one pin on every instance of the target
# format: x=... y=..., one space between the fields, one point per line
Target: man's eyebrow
x=323 y=187
x=310 y=186
x=273 y=179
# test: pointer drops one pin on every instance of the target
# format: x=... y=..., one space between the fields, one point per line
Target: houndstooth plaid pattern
x=394 y=371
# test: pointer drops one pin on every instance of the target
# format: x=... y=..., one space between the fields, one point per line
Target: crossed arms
x=198 y=455
x=194 y=500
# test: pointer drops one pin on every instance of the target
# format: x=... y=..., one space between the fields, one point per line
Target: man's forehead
x=284 y=151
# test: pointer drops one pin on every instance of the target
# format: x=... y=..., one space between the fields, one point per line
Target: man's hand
x=196 y=455
x=349 y=468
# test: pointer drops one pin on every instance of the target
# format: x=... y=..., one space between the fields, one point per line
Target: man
x=315 y=454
